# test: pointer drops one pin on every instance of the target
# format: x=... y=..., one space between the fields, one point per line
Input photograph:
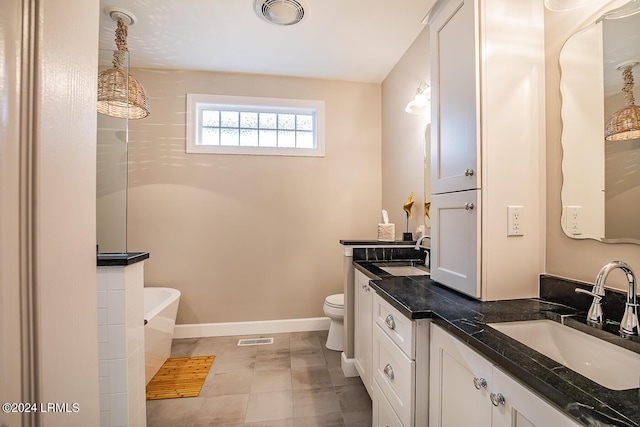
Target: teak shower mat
x=179 y=377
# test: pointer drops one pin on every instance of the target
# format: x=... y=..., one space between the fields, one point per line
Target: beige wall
x=577 y=259
x=251 y=237
x=403 y=136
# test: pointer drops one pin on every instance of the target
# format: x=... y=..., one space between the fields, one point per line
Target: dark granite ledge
x=120 y=259
x=355 y=242
x=588 y=403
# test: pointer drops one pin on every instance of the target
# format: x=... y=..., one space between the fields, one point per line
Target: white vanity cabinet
x=456 y=217
x=467 y=390
x=363 y=327
x=487 y=145
x=400 y=367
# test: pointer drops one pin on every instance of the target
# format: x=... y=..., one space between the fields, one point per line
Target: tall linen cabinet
x=487 y=146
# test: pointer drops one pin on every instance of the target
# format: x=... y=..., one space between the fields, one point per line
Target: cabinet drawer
x=397 y=326
x=383 y=414
x=395 y=374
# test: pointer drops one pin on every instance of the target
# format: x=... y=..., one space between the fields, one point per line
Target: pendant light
x=119 y=93
x=625 y=123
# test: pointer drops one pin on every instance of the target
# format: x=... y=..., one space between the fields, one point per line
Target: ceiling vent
x=281 y=12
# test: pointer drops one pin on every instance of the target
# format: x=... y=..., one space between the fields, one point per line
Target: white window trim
x=280 y=104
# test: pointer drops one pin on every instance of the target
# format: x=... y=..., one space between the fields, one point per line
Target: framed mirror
x=601 y=178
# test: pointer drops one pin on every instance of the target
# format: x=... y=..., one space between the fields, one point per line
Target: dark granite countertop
x=120 y=258
x=590 y=404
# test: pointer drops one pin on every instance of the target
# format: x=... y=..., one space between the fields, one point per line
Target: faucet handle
x=596 y=296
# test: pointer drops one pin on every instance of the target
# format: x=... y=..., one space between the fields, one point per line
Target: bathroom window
x=221 y=124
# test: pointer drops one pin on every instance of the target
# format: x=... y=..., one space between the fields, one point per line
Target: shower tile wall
x=121 y=345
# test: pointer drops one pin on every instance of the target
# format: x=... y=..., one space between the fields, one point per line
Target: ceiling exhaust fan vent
x=281 y=12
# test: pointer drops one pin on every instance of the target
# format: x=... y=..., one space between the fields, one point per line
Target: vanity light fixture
x=119 y=93
x=421 y=103
x=625 y=123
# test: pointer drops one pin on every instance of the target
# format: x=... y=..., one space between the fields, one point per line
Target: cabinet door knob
x=388 y=371
x=479 y=383
x=469 y=206
x=469 y=172
x=390 y=322
x=496 y=399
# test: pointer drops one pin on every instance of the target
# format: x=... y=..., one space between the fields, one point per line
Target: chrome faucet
x=419 y=242
x=629 y=322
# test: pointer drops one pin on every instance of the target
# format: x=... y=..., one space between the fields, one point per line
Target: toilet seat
x=335 y=301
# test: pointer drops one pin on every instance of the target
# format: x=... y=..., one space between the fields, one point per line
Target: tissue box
x=386 y=232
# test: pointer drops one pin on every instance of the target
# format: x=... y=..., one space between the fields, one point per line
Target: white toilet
x=334 y=310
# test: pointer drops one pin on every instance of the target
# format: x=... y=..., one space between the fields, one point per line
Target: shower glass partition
x=111 y=175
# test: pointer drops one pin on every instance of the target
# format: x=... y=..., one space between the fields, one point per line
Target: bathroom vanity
x=475 y=374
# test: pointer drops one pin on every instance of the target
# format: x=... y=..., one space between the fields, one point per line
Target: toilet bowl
x=334 y=310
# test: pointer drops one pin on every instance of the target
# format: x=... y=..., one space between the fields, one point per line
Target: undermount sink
x=609 y=365
x=405 y=270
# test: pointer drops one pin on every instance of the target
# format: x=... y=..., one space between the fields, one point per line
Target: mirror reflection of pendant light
x=625 y=123
x=422 y=101
x=119 y=93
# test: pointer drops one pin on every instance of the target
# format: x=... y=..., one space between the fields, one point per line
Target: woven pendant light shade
x=625 y=123
x=119 y=93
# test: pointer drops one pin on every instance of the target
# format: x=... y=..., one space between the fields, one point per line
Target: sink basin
x=405 y=270
x=613 y=367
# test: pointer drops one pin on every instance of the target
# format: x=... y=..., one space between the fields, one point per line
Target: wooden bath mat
x=179 y=377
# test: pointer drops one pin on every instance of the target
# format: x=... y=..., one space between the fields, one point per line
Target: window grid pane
x=257 y=129
x=230 y=127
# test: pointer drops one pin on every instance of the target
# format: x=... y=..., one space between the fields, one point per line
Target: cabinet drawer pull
x=469 y=206
x=496 y=399
x=390 y=322
x=479 y=383
x=388 y=371
x=469 y=172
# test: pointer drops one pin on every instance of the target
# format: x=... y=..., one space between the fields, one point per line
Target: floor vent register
x=255 y=341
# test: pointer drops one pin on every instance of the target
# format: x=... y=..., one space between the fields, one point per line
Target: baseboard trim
x=348 y=366
x=199 y=330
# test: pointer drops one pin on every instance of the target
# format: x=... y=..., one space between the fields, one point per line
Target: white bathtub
x=160 y=310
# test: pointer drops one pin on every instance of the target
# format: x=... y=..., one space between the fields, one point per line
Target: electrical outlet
x=573 y=219
x=514 y=221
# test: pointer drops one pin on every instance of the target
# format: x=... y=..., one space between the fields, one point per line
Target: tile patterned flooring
x=294 y=382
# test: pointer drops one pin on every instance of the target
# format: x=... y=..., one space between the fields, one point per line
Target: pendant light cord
x=628 y=85
x=121 y=44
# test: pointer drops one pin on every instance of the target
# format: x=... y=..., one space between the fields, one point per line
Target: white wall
x=11 y=354
x=251 y=237
x=48 y=209
x=403 y=137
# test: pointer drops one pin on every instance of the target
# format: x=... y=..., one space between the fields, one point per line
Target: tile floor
x=294 y=382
